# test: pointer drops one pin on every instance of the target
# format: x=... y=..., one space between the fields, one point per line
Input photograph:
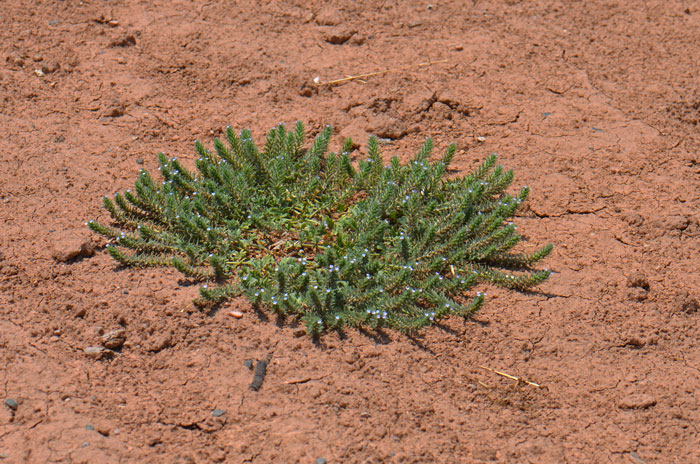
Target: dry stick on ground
x=378 y=73
x=518 y=379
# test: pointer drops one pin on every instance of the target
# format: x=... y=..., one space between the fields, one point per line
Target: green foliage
x=306 y=233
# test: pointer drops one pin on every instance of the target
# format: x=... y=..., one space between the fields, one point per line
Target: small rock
x=320 y=460
x=248 y=363
x=11 y=403
x=89 y=427
x=218 y=412
x=339 y=35
x=638 y=401
x=50 y=67
x=114 y=338
x=37 y=57
x=54 y=22
x=95 y=352
x=70 y=245
x=39 y=73
x=104 y=427
x=4 y=455
x=113 y=23
x=127 y=40
x=386 y=127
x=139 y=160
x=236 y=314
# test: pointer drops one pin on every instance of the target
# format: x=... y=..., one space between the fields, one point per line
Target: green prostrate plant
x=307 y=233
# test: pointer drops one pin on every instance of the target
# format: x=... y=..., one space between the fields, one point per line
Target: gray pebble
x=89 y=427
x=248 y=363
x=218 y=412
x=11 y=403
x=320 y=460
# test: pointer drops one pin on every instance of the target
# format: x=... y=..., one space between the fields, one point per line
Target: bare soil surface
x=595 y=105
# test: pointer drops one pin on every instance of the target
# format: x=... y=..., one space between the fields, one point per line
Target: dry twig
x=512 y=377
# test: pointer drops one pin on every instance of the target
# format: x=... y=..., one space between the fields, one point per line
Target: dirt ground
x=595 y=105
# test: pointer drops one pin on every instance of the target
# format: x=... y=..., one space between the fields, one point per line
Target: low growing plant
x=306 y=233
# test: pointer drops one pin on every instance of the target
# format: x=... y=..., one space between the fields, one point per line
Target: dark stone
x=218 y=412
x=248 y=363
x=260 y=373
x=11 y=403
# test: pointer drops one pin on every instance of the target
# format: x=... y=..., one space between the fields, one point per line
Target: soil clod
x=69 y=245
x=637 y=401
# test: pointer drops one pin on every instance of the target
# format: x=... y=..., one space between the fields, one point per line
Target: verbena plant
x=305 y=233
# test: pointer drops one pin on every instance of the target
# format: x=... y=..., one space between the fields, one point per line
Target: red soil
x=595 y=105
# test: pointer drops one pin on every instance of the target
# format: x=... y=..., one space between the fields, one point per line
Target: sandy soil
x=595 y=105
